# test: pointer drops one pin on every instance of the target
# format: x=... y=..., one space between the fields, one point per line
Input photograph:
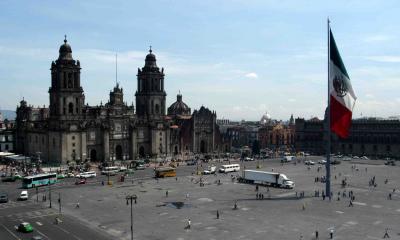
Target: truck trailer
x=266 y=178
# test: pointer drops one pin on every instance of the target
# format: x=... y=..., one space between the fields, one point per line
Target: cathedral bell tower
x=66 y=94
x=150 y=94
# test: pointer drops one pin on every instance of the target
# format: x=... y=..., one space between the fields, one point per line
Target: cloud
x=251 y=75
x=384 y=58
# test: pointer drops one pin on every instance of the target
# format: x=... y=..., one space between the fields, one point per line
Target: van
x=229 y=168
x=87 y=175
x=23 y=195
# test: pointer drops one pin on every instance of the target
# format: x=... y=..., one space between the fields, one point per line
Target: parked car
x=365 y=158
x=25 y=227
x=3 y=198
x=346 y=159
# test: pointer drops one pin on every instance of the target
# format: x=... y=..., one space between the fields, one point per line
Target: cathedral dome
x=150 y=60
x=65 y=51
x=266 y=118
x=179 y=107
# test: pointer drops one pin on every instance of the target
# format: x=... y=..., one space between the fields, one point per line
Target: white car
x=23 y=195
x=309 y=162
x=322 y=161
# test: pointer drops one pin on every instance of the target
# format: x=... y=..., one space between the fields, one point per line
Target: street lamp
x=130 y=199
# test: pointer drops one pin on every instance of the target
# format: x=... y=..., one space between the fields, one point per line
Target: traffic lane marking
x=59 y=226
x=8 y=230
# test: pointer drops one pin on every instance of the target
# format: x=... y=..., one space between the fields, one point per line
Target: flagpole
x=328 y=147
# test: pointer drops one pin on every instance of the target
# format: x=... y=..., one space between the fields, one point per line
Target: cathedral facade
x=71 y=131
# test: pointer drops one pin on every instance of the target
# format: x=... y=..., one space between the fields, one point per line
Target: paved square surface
x=279 y=216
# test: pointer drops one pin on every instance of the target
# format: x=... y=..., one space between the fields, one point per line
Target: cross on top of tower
x=150 y=51
x=65 y=38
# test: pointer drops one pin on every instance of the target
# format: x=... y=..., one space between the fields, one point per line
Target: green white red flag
x=342 y=96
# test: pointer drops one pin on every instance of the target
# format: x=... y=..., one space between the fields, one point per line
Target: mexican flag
x=342 y=96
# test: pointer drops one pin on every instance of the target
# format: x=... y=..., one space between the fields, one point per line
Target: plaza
x=280 y=215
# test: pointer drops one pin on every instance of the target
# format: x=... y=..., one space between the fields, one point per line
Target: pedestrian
x=316 y=234
x=394 y=190
x=188 y=223
x=102 y=183
x=331 y=233
x=187 y=195
x=262 y=196
x=386 y=233
x=217 y=214
x=176 y=178
x=390 y=196
x=77 y=205
x=351 y=204
x=235 y=206
x=166 y=193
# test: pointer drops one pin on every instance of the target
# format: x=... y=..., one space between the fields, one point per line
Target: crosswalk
x=15 y=204
x=32 y=214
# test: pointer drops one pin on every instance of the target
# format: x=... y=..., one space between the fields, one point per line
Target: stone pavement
x=279 y=216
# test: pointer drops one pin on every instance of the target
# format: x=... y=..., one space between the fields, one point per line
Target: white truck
x=266 y=178
x=210 y=170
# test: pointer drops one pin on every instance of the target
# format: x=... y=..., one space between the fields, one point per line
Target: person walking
x=235 y=206
x=386 y=233
x=188 y=223
x=351 y=203
x=331 y=234
x=166 y=193
x=316 y=234
x=217 y=214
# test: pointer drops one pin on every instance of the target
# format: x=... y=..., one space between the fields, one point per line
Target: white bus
x=90 y=174
x=229 y=168
x=110 y=171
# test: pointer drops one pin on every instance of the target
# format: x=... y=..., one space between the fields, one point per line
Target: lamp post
x=130 y=199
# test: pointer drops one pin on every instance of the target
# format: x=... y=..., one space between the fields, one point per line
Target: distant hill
x=8 y=114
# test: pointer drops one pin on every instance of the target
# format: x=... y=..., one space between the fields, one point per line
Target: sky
x=240 y=58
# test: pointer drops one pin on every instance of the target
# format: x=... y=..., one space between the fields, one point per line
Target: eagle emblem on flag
x=340 y=86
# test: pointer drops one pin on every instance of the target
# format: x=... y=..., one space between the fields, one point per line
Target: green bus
x=39 y=180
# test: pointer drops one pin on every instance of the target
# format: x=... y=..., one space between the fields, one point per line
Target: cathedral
x=71 y=131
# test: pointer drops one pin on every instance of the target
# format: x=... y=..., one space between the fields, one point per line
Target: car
x=25 y=227
x=335 y=162
x=3 y=198
x=390 y=163
x=346 y=159
x=309 y=162
x=356 y=157
x=17 y=176
x=23 y=195
x=140 y=167
x=80 y=181
x=365 y=158
x=323 y=161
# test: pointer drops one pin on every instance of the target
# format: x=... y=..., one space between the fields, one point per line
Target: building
x=373 y=137
x=70 y=130
x=6 y=135
x=276 y=135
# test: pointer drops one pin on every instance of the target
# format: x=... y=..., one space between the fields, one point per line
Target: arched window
x=71 y=108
